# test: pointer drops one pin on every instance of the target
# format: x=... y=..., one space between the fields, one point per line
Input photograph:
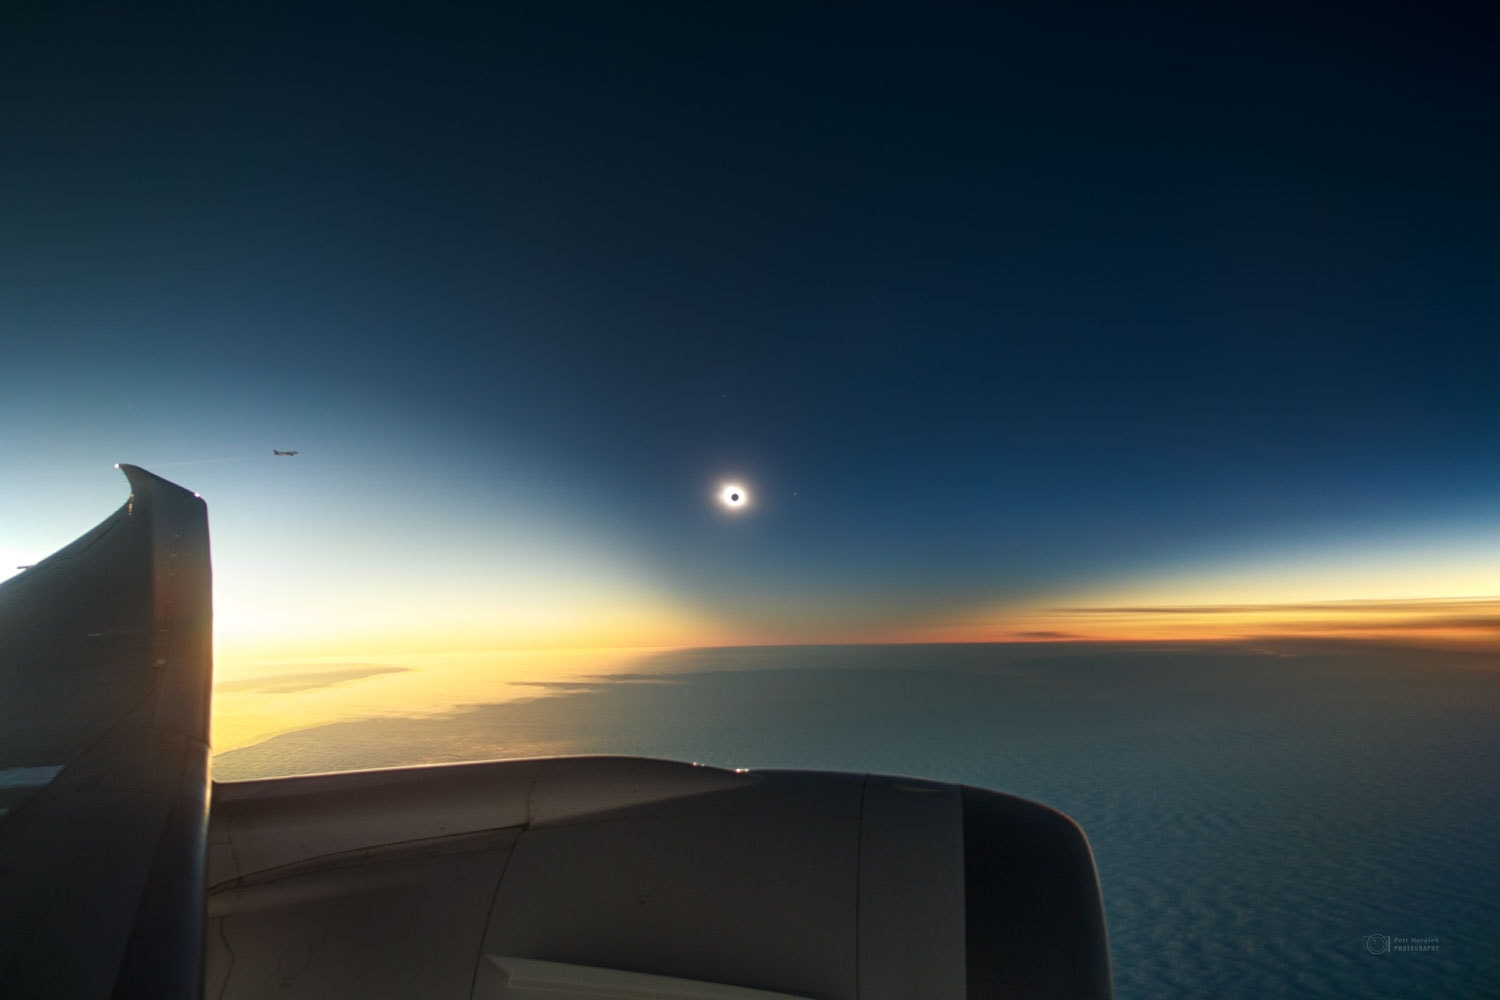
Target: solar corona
x=734 y=496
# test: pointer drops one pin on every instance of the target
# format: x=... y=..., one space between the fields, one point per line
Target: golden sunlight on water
x=255 y=700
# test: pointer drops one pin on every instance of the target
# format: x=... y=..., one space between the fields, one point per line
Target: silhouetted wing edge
x=108 y=649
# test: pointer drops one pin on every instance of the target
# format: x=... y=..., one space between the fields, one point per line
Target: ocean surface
x=1289 y=820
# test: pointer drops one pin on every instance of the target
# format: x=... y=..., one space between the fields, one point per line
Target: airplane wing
x=546 y=879
x=105 y=667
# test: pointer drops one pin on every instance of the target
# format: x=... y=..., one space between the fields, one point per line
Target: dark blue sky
x=984 y=305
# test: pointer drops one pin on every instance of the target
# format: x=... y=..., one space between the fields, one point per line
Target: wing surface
x=613 y=877
x=105 y=665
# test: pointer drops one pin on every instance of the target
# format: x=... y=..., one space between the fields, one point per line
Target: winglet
x=109 y=642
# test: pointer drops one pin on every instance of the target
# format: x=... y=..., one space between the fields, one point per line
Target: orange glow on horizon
x=371 y=616
x=1466 y=621
x=255 y=700
x=264 y=688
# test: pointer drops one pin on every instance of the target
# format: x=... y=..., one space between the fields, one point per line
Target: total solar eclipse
x=734 y=495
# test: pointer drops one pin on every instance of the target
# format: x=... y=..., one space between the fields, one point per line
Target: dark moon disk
x=735 y=497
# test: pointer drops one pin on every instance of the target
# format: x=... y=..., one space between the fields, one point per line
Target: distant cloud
x=1468 y=619
x=1359 y=606
x=1045 y=634
x=288 y=683
x=595 y=681
x=1470 y=623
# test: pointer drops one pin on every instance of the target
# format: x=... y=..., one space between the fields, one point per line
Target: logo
x=1388 y=944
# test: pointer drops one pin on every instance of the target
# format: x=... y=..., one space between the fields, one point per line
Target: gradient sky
x=1021 y=322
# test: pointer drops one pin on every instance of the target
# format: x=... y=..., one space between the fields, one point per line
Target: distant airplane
x=275 y=452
